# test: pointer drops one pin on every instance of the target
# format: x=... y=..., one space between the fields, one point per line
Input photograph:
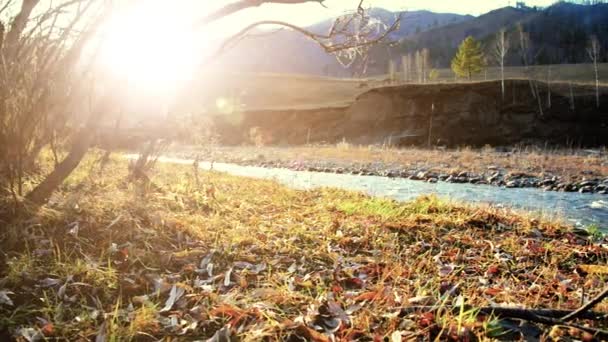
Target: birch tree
x=418 y=61
x=392 y=71
x=593 y=50
x=405 y=66
x=501 y=48
x=425 y=56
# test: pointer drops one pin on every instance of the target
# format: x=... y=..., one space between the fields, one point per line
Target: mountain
x=558 y=34
x=289 y=52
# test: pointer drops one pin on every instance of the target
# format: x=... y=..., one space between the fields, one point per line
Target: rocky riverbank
x=586 y=181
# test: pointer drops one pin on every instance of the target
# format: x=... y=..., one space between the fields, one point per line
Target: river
x=573 y=207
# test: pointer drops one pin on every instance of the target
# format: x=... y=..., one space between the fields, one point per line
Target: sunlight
x=151 y=49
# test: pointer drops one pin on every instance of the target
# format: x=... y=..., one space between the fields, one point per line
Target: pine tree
x=469 y=59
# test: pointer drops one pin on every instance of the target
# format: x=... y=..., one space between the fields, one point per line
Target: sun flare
x=150 y=49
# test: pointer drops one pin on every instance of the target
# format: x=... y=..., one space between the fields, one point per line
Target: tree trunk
x=597 y=84
x=502 y=79
x=44 y=190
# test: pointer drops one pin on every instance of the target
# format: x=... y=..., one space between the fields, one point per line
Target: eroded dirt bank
x=455 y=114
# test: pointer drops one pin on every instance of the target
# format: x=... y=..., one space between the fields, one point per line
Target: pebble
x=510 y=180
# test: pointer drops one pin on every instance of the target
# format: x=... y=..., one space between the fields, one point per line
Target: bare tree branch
x=19 y=22
x=323 y=40
x=5 y=6
x=244 y=4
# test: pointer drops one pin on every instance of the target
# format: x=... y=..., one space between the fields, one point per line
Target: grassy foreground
x=197 y=256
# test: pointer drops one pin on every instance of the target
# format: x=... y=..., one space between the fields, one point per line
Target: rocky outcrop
x=454 y=114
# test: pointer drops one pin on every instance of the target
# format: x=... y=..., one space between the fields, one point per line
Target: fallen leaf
x=492 y=291
x=31 y=334
x=222 y=335
x=4 y=298
x=49 y=282
x=48 y=329
x=421 y=300
x=396 y=336
x=175 y=294
x=227 y=277
x=593 y=269
x=101 y=334
x=445 y=270
x=311 y=334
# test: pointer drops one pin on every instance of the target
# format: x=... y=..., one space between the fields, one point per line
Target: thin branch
x=318 y=38
x=19 y=22
x=244 y=4
x=508 y=312
x=585 y=308
x=8 y=3
x=542 y=316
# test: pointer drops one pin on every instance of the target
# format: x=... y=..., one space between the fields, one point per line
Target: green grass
x=280 y=258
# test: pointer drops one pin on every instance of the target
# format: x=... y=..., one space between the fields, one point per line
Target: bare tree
x=405 y=68
x=501 y=48
x=412 y=66
x=42 y=75
x=525 y=50
x=392 y=71
x=419 y=67
x=349 y=39
x=425 y=62
x=594 y=53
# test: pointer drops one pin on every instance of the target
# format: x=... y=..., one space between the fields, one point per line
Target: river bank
x=199 y=255
x=584 y=171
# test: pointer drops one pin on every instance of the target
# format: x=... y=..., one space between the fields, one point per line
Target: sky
x=305 y=14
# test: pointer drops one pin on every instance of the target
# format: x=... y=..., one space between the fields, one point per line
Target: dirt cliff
x=454 y=114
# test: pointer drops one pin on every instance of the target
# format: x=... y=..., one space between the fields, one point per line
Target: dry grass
x=267 y=91
x=254 y=259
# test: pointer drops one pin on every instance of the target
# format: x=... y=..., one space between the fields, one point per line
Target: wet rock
x=513 y=184
x=392 y=174
x=421 y=175
x=494 y=177
x=457 y=180
x=588 y=183
x=585 y=189
x=547 y=182
x=463 y=174
x=432 y=180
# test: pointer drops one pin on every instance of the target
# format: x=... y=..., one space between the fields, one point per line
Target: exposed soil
x=472 y=114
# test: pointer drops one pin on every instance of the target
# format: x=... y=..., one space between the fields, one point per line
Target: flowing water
x=576 y=208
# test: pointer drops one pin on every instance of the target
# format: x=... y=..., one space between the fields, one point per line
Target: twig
x=546 y=315
x=585 y=308
x=543 y=316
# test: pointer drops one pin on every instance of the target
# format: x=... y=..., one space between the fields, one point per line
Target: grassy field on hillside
x=252 y=91
x=206 y=255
